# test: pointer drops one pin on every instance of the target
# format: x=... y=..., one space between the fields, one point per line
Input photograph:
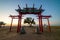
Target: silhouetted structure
x=30 y=10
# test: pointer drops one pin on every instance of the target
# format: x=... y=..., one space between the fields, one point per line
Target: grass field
x=30 y=34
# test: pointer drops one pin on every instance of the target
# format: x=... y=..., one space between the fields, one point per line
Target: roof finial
x=26 y=5
x=40 y=7
x=19 y=7
x=33 y=5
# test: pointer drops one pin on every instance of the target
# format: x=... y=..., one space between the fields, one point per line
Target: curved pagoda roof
x=29 y=10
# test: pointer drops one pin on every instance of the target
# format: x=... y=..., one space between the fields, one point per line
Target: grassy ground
x=30 y=34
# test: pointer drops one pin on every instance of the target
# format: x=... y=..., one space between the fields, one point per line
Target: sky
x=51 y=7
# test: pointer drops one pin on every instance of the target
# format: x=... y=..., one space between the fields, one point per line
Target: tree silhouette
x=2 y=23
x=29 y=20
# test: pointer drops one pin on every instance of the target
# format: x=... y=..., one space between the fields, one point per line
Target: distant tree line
x=2 y=23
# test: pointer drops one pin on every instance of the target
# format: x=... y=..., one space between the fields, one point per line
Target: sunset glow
x=51 y=7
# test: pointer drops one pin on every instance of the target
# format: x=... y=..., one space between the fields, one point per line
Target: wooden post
x=40 y=23
x=18 y=26
x=49 y=29
x=19 y=23
x=11 y=24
